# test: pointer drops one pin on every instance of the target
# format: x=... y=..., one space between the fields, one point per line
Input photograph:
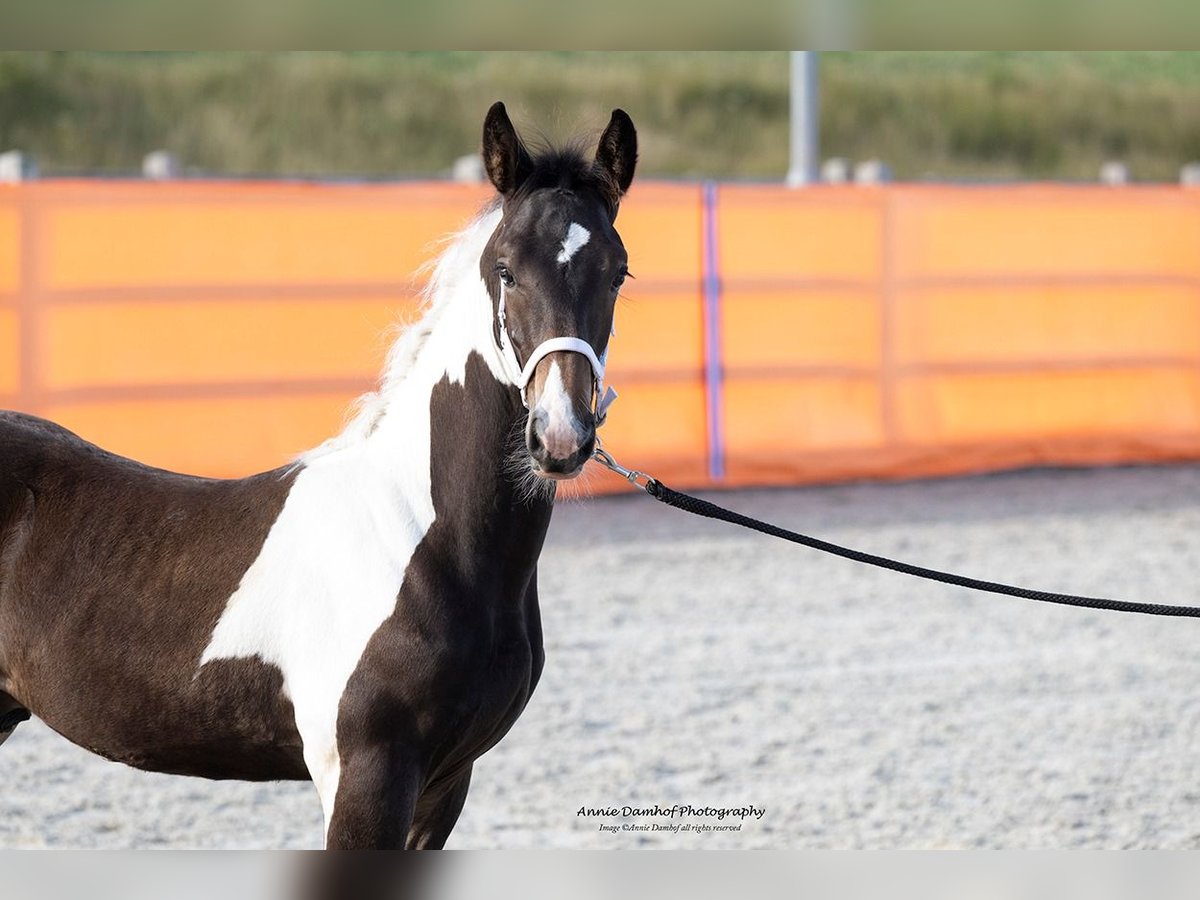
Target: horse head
x=553 y=268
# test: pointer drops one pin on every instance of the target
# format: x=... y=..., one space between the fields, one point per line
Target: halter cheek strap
x=521 y=375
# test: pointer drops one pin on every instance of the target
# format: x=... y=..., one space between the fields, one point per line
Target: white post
x=160 y=165
x=806 y=119
x=16 y=166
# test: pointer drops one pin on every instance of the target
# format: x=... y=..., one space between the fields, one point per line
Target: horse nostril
x=535 y=440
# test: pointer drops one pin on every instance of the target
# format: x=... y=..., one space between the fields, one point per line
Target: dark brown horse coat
x=368 y=617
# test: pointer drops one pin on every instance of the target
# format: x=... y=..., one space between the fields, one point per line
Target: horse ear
x=617 y=153
x=504 y=156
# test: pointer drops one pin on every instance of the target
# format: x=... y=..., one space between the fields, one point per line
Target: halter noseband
x=520 y=375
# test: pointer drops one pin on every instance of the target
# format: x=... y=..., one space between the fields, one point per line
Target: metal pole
x=806 y=117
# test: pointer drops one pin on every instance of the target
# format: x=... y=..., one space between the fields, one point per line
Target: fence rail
x=771 y=335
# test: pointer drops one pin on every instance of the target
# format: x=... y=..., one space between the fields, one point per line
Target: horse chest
x=379 y=621
x=459 y=666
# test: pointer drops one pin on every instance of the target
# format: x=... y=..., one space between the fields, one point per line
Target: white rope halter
x=521 y=375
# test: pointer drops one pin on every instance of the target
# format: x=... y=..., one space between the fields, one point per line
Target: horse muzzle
x=558 y=446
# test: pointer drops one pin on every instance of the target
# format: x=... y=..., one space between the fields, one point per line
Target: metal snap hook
x=633 y=476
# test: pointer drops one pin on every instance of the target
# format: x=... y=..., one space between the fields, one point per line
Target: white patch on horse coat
x=332 y=566
x=576 y=237
x=562 y=435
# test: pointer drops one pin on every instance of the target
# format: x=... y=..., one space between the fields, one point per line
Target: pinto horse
x=366 y=617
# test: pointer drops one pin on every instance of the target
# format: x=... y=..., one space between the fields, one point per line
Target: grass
x=973 y=115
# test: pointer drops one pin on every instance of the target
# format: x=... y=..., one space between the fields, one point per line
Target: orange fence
x=771 y=336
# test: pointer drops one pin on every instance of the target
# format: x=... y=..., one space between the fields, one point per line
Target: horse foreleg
x=375 y=803
x=437 y=811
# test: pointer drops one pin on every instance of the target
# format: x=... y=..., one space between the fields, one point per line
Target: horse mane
x=447 y=272
x=565 y=167
x=568 y=168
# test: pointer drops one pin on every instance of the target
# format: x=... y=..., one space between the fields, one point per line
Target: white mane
x=455 y=268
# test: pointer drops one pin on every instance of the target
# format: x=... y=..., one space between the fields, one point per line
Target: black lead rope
x=696 y=506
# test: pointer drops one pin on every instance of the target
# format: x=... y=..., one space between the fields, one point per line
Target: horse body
x=368 y=617
x=138 y=563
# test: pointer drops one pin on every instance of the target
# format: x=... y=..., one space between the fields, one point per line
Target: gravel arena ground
x=690 y=662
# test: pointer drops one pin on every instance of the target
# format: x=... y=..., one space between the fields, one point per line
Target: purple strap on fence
x=714 y=376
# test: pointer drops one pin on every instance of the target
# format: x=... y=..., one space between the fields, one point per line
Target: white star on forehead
x=576 y=237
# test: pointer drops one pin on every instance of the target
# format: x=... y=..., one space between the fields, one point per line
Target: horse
x=365 y=617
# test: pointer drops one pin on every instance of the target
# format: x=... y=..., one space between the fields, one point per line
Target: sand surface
x=689 y=662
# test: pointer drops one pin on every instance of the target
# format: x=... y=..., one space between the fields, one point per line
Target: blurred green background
x=929 y=115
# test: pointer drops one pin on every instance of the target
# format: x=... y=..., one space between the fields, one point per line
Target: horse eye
x=619 y=280
x=506 y=277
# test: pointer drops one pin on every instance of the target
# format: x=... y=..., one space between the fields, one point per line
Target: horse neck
x=447 y=432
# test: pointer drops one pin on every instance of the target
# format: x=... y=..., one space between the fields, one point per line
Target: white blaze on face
x=562 y=434
x=576 y=237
